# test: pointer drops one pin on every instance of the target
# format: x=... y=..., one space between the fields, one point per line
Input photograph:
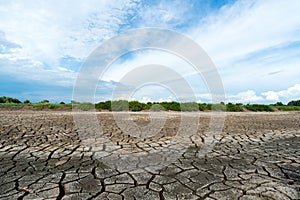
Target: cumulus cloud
x=251 y=39
x=248 y=96
x=47 y=31
x=270 y=96
x=36 y=37
x=283 y=95
x=249 y=26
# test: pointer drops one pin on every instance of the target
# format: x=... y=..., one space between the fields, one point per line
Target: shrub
x=189 y=106
x=148 y=105
x=45 y=102
x=259 y=107
x=120 y=105
x=218 y=107
x=209 y=107
x=156 y=108
x=294 y=103
x=279 y=104
x=201 y=106
x=39 y=106
x=84 y=106
x=26 y=101
x=136 y=106
x=103 y=105
x=287 y=108
x=51 y=106
x=5 y=99
x=234 y=107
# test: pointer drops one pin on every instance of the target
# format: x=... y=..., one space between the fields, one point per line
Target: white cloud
x=271 y=96
x=249 y=26
x=283 y=95
x=164 y=14
x=248 y=96
x=48 y=31
x=39 y=34
x=140 y=58
x=250 y=39
x=230 y=37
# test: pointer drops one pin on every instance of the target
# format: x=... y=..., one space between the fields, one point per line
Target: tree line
x=124 y=105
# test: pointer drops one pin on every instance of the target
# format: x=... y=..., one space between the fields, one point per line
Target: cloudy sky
x=254 y=44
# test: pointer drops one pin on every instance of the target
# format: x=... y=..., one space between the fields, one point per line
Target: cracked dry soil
x=257 y=156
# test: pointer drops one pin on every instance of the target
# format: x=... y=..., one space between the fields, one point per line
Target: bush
x=5 y=99
x=234 y=107
x=279 y=104
x=39 y=106
x=156 y=108
x=218 y=107
x=259 y=107
x=175 y=106
x=120 y=105
x=294 y=103
x=148 y=105
x=209 y=107
x=201 y=106
x=189 y=106
x=51 y=106
x=85 y=106
x=136 y=106
x=26 y=101
x=45 y=102
x=287 y=108
x=103 y=105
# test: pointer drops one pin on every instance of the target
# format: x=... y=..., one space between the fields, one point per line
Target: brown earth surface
x=49 y=155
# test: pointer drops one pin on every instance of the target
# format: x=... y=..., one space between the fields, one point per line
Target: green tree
x=103 y=105
x=189 y=106
x=174 y=106
x=259 y=107
x=234 y=107
x=156 y=108
x=119 y=105
x=136 y=106
x=5 y=99
x=279 y=104
x=218 y=107
x=26 y=101
x=45 y=101
x=294 y=103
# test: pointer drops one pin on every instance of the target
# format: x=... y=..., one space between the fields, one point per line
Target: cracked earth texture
x=257 y=156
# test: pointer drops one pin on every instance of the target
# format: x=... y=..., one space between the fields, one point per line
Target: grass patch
x=287 y=108
x=11 y=104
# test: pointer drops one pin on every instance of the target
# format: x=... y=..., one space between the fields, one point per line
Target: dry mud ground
x=44 y=156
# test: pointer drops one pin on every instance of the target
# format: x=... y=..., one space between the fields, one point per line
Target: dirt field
x=46 y=155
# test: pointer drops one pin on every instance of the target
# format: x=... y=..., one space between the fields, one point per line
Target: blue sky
x=255 y=45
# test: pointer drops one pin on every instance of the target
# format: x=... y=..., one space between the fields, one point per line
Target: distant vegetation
x=294 y=103
x=123 y=105
x=258 y=107
x=9 y=100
